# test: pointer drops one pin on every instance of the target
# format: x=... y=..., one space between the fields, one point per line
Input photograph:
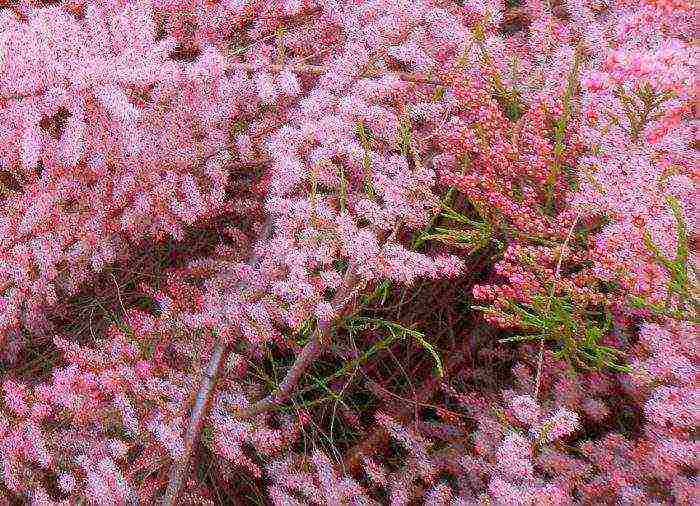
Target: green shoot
x=396 y=331
x=576 y=333
x=679 y=285
x=560 y=130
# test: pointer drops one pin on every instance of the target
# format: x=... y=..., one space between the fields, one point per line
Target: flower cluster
x=334 y=160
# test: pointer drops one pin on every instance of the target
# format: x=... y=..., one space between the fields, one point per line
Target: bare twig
x=303 y=360
x=341 y=302
x=206 y=388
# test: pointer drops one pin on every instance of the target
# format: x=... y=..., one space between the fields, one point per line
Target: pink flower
x=561 y=423
x=525 y=409
x=31 y=147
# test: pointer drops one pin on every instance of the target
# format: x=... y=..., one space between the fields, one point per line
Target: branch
x=206 y=388
x=303 y=360
x=312 y=349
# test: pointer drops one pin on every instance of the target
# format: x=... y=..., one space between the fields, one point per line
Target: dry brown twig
x=201 y=403
x=302 y=68
x=341 y=302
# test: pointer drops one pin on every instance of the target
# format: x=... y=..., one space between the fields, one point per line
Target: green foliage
x=394 y=331
x=576 y=332
x=378 y=295
x=508 y=98
x=404 y=137
x=305 y=330
x=207 y=436
x=238 y=126
x=683 y=301
x=477 y=236
x=313 y=197
x=560 y=127
x=342 y=190
x=641 y=107
x=439 y=93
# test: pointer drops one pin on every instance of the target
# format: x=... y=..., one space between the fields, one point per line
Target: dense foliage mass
x=348 y=252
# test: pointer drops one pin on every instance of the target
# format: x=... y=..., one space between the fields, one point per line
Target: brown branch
x=313 y=348
x=303 y=360
x=206 y=388
x=302 y=68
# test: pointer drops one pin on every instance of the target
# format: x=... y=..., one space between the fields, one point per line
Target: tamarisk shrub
x=130 y=138
x=589 y=254
x=342 y=147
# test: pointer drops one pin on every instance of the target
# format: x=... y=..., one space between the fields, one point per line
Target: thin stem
x=197 y=415
x=303 y=360
x=206 y=388
x=313 y=348
x=557 y=273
